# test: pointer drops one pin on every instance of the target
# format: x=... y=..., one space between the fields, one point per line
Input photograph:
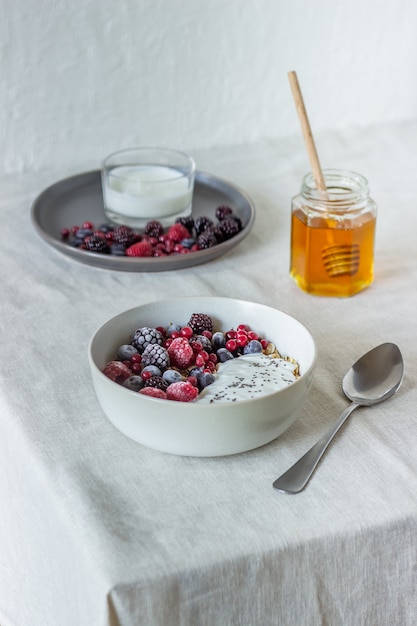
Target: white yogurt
x=147 y=191
x=248 y=377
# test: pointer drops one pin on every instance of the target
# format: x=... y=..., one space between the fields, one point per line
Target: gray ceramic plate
x=79 y=198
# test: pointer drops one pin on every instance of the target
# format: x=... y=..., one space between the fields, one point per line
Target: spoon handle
x=295 y=479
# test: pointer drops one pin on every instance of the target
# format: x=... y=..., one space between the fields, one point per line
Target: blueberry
x=172 y=376
x=173 y=328
x=206 y=378
x=253 y=347
x=224 y=355
x=188 y=242
x=218 y=340
x=125 y=352
x=118 y=249
x=196 y=371
x=106 y=228
x=135 y=383
x=154 y=371
x=83 y=232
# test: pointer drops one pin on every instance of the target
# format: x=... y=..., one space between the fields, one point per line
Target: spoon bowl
x=375 y=377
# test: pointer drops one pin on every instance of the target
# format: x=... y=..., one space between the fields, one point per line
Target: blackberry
x=201 y=223
x=158 y=382
x=218 y=233
x=229 y=227
x=124 y=235
x=155 y=354
x=207 y=239
x=96 y=243
x=222 y=212
x=145 y=336
x=154 y=229
x=199 y=322
x=188 y=222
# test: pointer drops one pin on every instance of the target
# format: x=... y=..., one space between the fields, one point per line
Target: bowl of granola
x=202 y=376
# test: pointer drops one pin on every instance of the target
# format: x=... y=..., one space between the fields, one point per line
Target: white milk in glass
x=136 y=194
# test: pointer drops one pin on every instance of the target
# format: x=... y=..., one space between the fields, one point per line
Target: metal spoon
x=373 y=378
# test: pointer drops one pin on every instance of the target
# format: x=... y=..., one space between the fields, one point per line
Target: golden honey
x=332 y=235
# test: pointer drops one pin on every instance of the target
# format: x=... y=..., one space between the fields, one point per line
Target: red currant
x=65 y=233
x=207 y=333
x=244 y=327
x=253 y=335
x=264 y=343
x=88 y=225
x=136 y=367
x=136 y=358
x=231 y=345
x=186 y=332
x=241 y=340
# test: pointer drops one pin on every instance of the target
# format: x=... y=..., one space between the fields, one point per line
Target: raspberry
x=181 y=392
x=222 y=212
x=181 y=353
x=154 y=354
x=117 y=371
x=154 y=392
x=97 y=243
x=154 y=229
x=145 y=336
x=177 y=232
x=199 y=322
x=124 y=235
x=142 y=248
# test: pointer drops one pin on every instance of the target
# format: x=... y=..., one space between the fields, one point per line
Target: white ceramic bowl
x=193 y=429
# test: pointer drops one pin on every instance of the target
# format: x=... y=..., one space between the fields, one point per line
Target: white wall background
x=82 y=78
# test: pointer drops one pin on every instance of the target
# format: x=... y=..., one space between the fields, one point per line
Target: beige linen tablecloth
x=96 y=530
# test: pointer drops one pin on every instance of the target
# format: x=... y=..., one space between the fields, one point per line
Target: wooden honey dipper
x=339 y=260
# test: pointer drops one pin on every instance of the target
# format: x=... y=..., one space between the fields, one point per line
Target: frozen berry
x=224 y=355
x=118 y=249
x=154 y=392
x=253 y=347
x=154 y=229
x=201 y=223
x=117 y=371
x=172 y=376
x=218 y=340
x=126 y=352
x=182 y=392
x=206 y=378
x=222 y=212
x=65 y=233
x=229 y=227
x=97 y=243
x=154 y=354
x=206 y=239
x=135 y=383
x=199 y=322
x=181 y=353
x=188 y=222
x=177 y=232
x=157 y=382
x=140 y=249
x=151 y=370
x=144 y=336
x=124 y=235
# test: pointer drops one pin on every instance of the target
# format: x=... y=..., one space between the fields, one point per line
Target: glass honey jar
x=332 y=235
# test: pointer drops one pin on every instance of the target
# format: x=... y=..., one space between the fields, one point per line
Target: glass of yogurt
x=144 y=184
